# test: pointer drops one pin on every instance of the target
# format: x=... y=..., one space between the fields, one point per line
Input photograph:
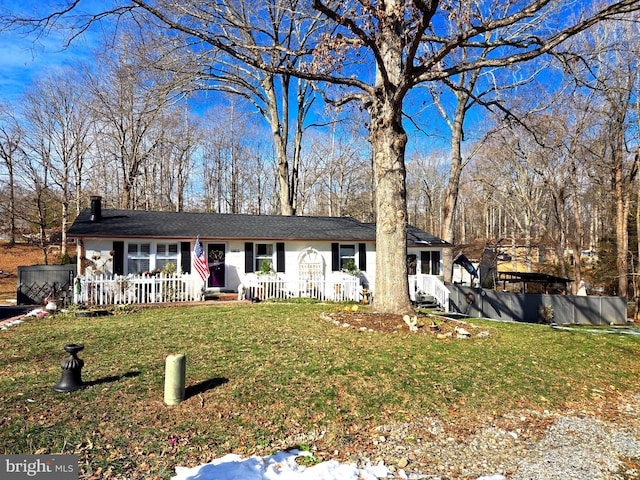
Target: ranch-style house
x=309 y=256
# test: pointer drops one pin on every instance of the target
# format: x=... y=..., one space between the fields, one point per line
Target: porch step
x=220 y=296
x=426 y=301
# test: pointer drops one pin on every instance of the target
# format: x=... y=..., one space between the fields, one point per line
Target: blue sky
x=22 y=61
x=24 y=57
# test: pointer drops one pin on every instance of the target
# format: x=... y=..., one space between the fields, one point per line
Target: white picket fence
x=117 y=289
x=161 y=288
x=343 y=289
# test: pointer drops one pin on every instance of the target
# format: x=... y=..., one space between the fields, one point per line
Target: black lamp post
x=71 y=379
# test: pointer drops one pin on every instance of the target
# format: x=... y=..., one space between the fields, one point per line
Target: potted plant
x=350 y=268
x=265 y=268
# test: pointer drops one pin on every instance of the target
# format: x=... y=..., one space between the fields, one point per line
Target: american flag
x=200 y=261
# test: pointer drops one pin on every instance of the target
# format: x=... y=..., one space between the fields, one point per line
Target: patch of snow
x=281 y=466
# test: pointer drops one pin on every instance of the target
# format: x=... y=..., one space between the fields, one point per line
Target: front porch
x=105 y=290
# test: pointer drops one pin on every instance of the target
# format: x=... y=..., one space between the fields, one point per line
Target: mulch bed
x=435 y=325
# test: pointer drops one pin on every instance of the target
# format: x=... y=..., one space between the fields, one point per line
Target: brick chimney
x=96 y=208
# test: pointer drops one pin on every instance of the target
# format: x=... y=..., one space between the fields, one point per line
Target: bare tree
x=10 y=139
x=130 y=100
x=426 y=180
x=226 y=173
x=339 y=171
x=409 y=46
x=515 y=181
x=169 y=169
x=612 y=75
x=61 y=97
x=269 y=33
x=36 y=168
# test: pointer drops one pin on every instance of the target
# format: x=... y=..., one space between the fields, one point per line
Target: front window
x=347 y=257
x=430 y=263
x=166 y=253
x=264 y=257
x=138 y=257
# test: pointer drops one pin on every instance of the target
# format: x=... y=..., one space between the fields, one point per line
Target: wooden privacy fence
x=37 y=283
x=160 y=288
x=530 y=307
x=348 y=288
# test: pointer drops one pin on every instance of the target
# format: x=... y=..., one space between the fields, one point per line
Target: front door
x=215 y=258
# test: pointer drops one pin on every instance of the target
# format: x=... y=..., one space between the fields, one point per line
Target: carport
x=550 y=283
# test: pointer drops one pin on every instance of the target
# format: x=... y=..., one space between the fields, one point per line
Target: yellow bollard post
x=174 y=379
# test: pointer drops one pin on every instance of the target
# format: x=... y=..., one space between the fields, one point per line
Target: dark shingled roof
x=140 y=223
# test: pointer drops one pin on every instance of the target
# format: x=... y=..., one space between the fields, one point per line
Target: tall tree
x=169 y=170
x=426 y=181
x=62 y=99
x=37 y=166
x=414 y=43
x=611 y=54
x=513 y=162
x=129 y=102
x=269 y=32
x=10 y=139
x=337 y=161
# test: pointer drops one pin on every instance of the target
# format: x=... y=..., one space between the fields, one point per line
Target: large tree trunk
x=126 y=202
x=283 y=181
x=388 y=141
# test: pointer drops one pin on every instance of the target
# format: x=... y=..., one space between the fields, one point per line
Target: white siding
x=98 y=254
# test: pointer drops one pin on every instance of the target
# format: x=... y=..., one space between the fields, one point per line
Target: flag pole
x=201 y=265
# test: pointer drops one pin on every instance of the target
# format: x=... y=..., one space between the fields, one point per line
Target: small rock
x=462 y=332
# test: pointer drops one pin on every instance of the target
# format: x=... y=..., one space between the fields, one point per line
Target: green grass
x=259 y=373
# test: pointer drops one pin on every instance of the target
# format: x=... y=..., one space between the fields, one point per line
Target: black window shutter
x=118 y=257
x=185 y=257
x=280 y=257
x=362 y=257
x=335 y=257
x=248 y=257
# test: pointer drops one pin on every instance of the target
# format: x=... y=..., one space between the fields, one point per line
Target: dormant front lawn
x=260 y=374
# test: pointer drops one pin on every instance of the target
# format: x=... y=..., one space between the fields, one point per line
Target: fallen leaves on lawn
x=437 y=326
